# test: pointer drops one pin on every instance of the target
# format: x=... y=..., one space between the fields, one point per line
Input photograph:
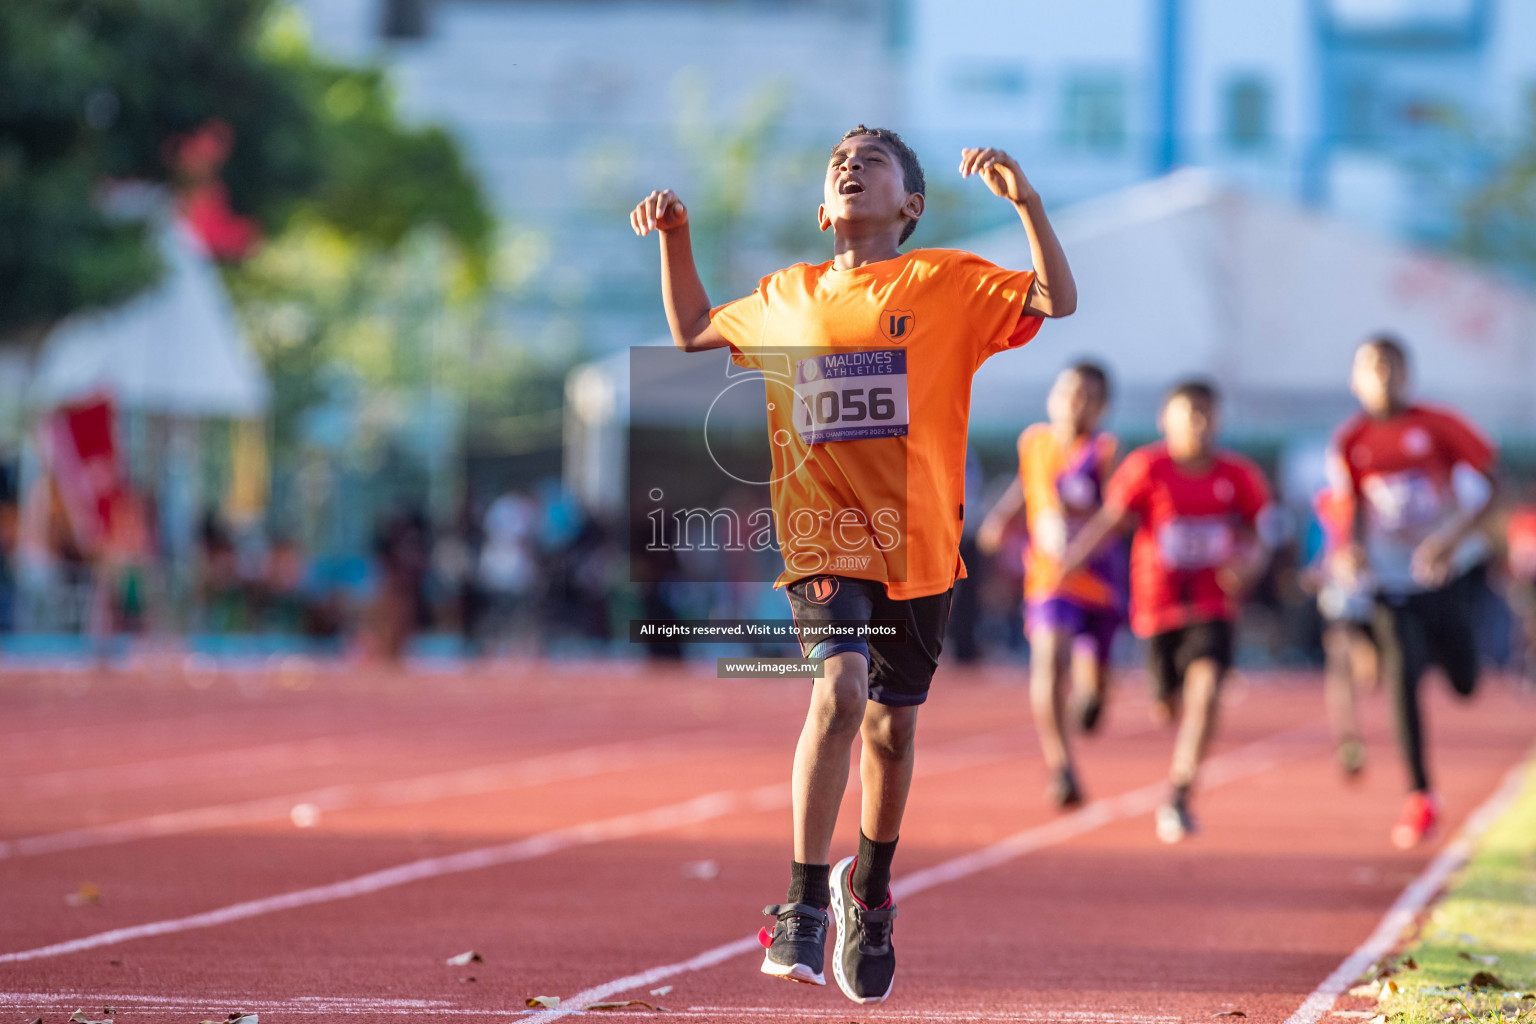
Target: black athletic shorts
x=899 y=670
x=1170 y=654
x=1432 y=627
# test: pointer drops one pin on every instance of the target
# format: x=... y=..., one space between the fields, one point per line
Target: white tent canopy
x=176 y=349
x=1181 y=276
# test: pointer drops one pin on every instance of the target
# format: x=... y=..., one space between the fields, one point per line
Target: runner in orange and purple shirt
x=1072 y=621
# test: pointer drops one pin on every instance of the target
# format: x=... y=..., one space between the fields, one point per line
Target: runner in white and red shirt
x=1419 y=541
x=1196 y=550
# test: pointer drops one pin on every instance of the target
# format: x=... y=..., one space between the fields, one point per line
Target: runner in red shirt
x=1196 y=549
x=1419 y=540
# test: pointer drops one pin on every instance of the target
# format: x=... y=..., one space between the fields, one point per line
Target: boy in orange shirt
x=868 y=445
x=1063 y=467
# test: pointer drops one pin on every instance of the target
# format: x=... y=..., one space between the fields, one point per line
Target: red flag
x=81 y=446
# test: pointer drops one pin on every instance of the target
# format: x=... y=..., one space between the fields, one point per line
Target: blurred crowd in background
x=532 y=574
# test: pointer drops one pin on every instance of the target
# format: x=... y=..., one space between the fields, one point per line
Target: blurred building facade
x=574 y=110
x=1382 y=111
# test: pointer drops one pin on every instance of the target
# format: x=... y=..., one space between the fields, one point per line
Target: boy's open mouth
x=849 y=187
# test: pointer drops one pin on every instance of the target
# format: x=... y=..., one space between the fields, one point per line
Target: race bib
x=1196 y=543
x=851 y=396
x=1050 y=533
x=1403 y=503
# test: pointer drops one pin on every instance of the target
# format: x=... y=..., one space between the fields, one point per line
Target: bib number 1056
x=851 y=396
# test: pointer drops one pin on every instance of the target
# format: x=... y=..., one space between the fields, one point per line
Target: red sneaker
x=1420 y=814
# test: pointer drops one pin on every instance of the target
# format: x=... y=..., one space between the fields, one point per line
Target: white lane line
x=1419 y=892
x=1252 y=759
x=577 y=764
x=954 y=757
x=106 y=778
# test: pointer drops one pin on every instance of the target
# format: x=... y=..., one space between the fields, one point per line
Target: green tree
x=100 y=91
x=1499 y=223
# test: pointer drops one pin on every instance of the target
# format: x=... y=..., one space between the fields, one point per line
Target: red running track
x=581 y=827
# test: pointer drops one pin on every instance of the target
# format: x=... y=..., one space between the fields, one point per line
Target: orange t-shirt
x=868 y=375
x=1063 y=487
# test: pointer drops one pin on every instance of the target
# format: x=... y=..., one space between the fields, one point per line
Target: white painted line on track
x=704 y=808
x=236 y=761
x=1419 y=892
x=953 y=757
x=1252 y=759
x=562 y=767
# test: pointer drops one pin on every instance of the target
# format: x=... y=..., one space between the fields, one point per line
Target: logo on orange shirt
x=897 y=324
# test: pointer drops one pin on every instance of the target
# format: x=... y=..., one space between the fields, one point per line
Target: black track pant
x=1415 y=631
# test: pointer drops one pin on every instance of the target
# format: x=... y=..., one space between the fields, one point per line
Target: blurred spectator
x=403 y=550
x=508 y=567
x=222 y=600
x=127 y=559
x=284 y=601
x=455 y=567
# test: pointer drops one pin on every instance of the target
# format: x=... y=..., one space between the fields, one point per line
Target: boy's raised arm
x=682 y=293
x=1054 y=293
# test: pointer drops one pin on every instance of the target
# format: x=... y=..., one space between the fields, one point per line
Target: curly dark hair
x=911 y=170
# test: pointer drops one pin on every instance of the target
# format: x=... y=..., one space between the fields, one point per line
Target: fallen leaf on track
x=466 y=958
x=79 y=1017
x=661 y=991
x=625 y=1005
x=235 y=1017
x=1230 y=1013
x=543 y=1002
x=38 y=1021
x=86 y=895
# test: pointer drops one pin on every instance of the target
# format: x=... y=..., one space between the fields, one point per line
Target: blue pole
x=1166 y=153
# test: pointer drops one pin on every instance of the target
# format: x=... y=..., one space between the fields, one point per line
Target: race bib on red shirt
x=1191 y=543
x=1406 y=503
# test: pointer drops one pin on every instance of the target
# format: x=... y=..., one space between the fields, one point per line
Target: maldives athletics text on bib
x=851 y=396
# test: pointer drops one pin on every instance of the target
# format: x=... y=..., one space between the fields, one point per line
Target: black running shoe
x=863 y=961
x=797 y=946
x=1089 y=709
x=1063 y=790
